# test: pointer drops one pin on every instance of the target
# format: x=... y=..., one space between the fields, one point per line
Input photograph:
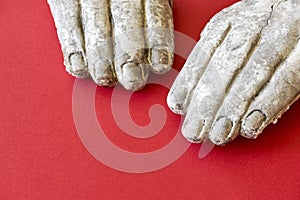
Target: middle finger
x=129 y=43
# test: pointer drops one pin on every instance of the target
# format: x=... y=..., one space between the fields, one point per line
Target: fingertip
x=161 y=60
x=176 y=99
x=133 y=76
x=76 y=65
x=221 y=130
x=103 y=74
x=253 y=124
x=192 y=128
x=107 y=81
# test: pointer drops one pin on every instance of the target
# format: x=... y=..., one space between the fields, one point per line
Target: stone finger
x=131 y=63
x=66 y=16
x=159 y=35
x=98 y=41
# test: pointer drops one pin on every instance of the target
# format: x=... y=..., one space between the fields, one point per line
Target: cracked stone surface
x=243 y=74
x=115 y=40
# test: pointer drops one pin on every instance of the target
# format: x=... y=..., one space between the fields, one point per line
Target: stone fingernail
x=177 y=99
x=161 y=60
x=192 y=128
x=253 y=123
x=220 y=131
x=134 y=76
x=78 y=67
x=103 y=74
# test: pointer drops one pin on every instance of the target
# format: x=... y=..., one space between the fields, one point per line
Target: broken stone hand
x=115 y=40
x=243 y=74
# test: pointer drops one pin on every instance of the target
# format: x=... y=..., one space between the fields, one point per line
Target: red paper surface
x=43 y=157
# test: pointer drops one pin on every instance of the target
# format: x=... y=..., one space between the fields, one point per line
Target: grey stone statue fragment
x=243 y=74
x=115 y=40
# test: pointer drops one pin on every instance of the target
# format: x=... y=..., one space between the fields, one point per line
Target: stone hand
x=115 y=40
x=243 y=74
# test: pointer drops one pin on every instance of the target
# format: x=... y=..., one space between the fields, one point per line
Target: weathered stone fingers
x=183 y=87
x=115 y=40
x=244 y=76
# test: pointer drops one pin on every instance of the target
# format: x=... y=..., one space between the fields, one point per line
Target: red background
x=42 y=157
